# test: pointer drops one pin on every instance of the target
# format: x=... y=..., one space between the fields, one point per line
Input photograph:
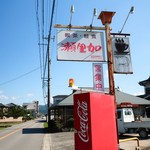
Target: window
x=127 y=112
x=118 y=114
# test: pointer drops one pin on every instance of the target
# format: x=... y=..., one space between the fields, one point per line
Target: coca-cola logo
x=82 y=111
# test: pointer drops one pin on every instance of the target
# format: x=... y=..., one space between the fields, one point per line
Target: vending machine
x=95 y=122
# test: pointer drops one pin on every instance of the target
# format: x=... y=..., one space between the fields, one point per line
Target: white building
x=34 y=106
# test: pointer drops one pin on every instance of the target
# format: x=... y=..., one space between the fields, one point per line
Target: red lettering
x=97 y=68
x=81 y=47
x=98 y=86
x=69 y=46
x=98 y=48
x=91 y=48
x=98 y=77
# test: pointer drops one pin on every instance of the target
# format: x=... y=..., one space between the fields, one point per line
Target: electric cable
x=21 y=76
x=38 y=30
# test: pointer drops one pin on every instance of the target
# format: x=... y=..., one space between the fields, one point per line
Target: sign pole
x=106 y=18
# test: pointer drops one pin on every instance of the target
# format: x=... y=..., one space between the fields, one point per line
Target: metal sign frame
x=85 y=46
x=121 y=53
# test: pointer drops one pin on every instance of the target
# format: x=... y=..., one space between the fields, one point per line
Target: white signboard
x=98 y=81
x=80 y=45
x=122 y=57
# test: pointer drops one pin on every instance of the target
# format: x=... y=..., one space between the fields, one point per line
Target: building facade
x=34 y=106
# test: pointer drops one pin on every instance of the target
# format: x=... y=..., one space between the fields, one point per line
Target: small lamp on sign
x=71 y=12
x=94 y=14
x=130 y=12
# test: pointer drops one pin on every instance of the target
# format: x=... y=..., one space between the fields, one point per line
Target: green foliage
x=70 y=123
x=15 y=112
x=54 y=126
x=58 y=126
x=28 y=115
x=6 y=125
x=18 y=111
x=45 y=125
x=1 y=113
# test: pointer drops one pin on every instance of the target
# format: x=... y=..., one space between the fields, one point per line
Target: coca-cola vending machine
x=95 y=122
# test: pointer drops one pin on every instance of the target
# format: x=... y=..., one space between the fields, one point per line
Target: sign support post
x=106 y=18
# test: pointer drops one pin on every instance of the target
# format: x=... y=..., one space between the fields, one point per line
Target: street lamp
x=94 y=14
x=71 y=12
x=130 y=12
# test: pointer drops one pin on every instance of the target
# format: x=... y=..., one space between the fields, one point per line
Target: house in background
x=5 y=108
x=34 y=106
x=146 y=84
x=58 y=98
x=2 y=107
x=11 y=105
x=7 y=114
x=64 y=109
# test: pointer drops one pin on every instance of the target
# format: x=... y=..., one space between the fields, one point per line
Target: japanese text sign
x=121 y=52
x=80 y=45
x=98 y=82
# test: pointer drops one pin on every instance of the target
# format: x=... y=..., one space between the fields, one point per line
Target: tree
x=15 y=112
x=1 y=113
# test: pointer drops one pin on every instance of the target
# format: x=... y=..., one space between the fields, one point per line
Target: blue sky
x=20 y=77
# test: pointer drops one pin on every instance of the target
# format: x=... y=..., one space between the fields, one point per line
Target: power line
x=49 y=38
x=43 y=29
x=21 y=76
x=45 y=60
x=54 y=30
x=38 y=28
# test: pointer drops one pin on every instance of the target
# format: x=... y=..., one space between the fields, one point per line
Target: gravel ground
x=130 y=145
x=65 y=141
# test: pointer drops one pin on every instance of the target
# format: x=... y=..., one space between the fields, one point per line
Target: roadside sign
x=80 y=46
x=98 y=81
x=121 y=52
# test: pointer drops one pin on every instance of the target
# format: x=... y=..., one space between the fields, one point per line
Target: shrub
x=70 y=123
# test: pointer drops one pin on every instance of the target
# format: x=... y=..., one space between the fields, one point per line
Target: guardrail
x=132 y=139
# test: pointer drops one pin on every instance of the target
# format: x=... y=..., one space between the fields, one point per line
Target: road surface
x=25 y=136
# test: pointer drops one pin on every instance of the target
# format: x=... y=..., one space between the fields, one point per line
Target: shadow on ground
x=34 y=131
x=125 y=136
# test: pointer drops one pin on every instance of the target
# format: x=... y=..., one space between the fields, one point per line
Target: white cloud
x=30 y=95
x=1 y=92
x=3 y=97
x=15 y=97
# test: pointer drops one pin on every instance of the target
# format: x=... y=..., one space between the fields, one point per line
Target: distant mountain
x=43 y=109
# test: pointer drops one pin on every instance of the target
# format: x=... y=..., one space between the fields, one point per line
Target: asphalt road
x=25 y=136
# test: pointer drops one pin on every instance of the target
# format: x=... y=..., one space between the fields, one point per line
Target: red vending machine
x=95 y=122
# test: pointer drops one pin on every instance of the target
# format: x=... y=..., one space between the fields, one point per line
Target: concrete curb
x=46 y=142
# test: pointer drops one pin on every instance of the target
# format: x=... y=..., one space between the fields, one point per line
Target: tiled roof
x=120 y=98
x=144 y=82
x=11 y=105
x=1 y=105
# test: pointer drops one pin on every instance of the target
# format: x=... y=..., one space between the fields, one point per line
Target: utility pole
x=49 y=61
x=48 y=94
